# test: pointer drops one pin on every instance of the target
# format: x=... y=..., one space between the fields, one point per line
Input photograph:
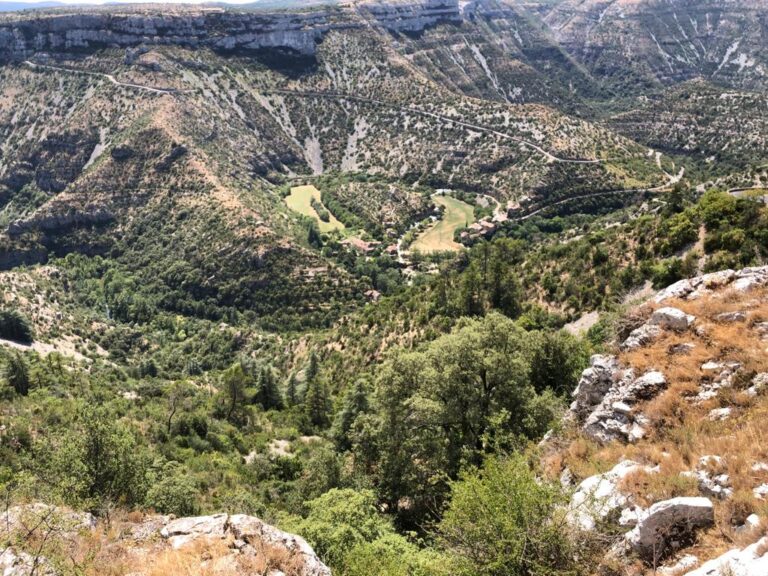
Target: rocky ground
x=150 y=545
x=672 y=421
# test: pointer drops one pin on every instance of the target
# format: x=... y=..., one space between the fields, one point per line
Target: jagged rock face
x=594 y=384
x=614 y=418
x=669 y=525
x=664 y=41
x=413 y=16
x=605 y=398
x=24 y=36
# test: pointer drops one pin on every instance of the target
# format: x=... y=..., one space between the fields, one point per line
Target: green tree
x=98 y=462
x=178 y=396
x=340 y=519
x=17 y=373
x=233 y=386
x=317 y=404
x=174 y=492
x=268 y=394
x=292 y=391
x=502 y=520
x=13 y=326
x=312 y=369
x=557 y=360
x=717 y=208
x=435 y=406
x=355 y=403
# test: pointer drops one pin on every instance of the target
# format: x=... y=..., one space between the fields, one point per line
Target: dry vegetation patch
x=683 y=431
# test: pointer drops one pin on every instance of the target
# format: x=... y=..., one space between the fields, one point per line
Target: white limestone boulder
x=598 y=497
x=669 y=526
x=641 y=336
x=669 y=318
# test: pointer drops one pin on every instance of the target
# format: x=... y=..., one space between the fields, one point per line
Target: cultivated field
x=300 y=200
x=439 y=238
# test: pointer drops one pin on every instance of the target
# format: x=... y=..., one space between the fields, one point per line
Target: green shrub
x=504 y=521
x=174 y=493
x=13 y=326
x=339 y=520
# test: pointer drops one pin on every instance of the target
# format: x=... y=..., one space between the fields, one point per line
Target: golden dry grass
x=439 y=238
x=109 y=550
x=681 y=432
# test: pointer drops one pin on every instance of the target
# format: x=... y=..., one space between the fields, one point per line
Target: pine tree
x=268 y=394
x=310 y=374
x=317 y=404
x=17 y=374
x=291 y=391
x=355 y=403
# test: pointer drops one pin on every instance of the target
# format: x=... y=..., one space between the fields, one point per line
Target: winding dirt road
x=108 y=77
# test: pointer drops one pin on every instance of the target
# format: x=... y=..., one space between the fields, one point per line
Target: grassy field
x=299 y=201
x=439 y=237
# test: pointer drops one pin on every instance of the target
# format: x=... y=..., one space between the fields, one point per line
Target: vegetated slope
x=552 y=270
x=498 y=51
x=719 y=132
x=119 y=152
x=630 y=45
x=154 y=180
x=363 y=108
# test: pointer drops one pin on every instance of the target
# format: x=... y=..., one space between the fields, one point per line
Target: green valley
x=384 y=288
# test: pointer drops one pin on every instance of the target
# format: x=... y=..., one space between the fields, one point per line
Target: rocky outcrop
x=66 y=521
x=222 y=30
x=692 y=288
x=666 y=318
x=669 y=318
x=249 y=536
x=251 y=530
x=23 y=36
x=60 y=221
x=415 y=16
x=19 y=563
x=641 y=336
x=246 y=538
x=594 y=384
x=605 y=397
x=670 y=525
x=614 y=418
x=599 y=497
x=717 y=375
x=711 y=477
x=40 y=520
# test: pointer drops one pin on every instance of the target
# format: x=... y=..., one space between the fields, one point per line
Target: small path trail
x=108 y=77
